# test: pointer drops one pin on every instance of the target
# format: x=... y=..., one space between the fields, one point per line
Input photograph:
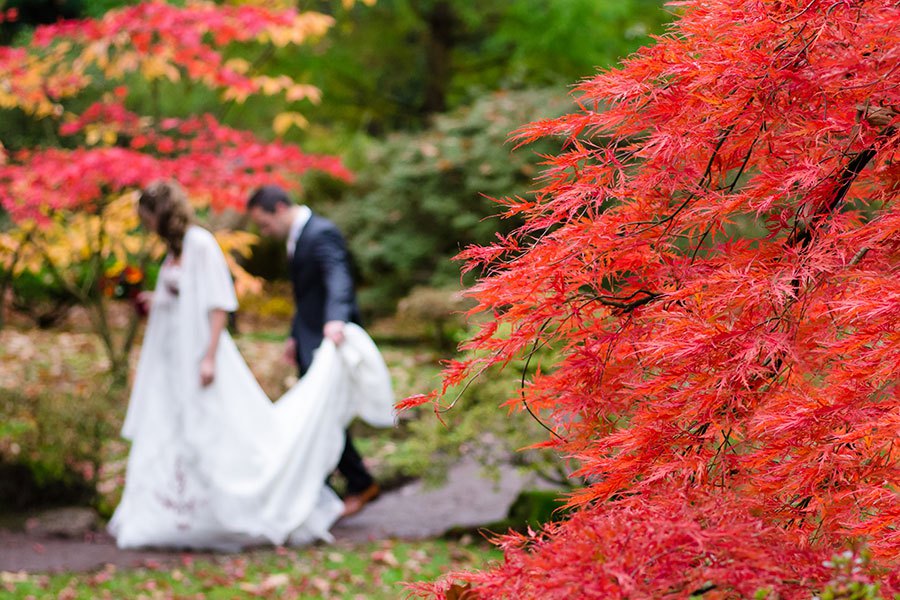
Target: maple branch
x=796 y=16
x=714 y=461
x=626 y=303
x=442 y=409
x=746 y=158
x=731 y=187
x=723 y=137
x=700 y=243
x=803 y=234
x=609 y=352
x=534 y=349
x=880 y=79
x=102 y=317
x=857 y=258
x=57 y=276
x=539 y=343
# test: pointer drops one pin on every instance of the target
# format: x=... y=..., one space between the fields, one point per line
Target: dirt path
x=410 y=512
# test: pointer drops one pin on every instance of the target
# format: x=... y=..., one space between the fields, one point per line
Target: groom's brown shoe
x=354 y=503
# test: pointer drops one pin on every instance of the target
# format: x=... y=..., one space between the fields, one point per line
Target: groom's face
x=272 y=224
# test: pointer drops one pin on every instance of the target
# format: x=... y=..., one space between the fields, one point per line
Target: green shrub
x=426 y=445
x=437 y=314
x=52 y=446
x=530 y=510
x=419 y=198
x=38 y=297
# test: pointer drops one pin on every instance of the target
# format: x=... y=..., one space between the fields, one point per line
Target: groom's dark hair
x=268 y=197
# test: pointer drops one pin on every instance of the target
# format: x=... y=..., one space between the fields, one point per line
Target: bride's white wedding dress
x=223 y=467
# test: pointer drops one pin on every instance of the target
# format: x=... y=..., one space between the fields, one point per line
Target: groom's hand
x=334 y=331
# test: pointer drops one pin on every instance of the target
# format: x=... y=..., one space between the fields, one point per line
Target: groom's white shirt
x=302 y=215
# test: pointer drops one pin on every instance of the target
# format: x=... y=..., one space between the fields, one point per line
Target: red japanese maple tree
x=715 y=258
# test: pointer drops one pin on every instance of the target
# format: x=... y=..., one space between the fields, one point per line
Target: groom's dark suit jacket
x=323 y=285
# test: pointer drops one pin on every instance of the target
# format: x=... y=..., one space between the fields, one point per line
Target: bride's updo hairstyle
x=168 y=202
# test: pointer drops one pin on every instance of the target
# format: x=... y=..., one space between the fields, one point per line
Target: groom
x=325 y=301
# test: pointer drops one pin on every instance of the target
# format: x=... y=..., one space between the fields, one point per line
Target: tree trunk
x=441 y=22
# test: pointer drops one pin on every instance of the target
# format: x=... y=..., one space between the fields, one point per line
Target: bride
x=214 y=463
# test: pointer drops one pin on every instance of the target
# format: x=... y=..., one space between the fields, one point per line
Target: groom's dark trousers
x=323 y=291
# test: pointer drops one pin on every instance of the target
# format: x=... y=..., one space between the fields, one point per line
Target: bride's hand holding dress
x=217 y=320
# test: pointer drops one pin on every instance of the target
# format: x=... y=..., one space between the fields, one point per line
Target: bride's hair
x=167 y=201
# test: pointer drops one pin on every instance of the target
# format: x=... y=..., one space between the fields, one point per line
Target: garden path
x=467 y=499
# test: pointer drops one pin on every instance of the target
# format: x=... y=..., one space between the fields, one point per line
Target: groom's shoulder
x=319 y=224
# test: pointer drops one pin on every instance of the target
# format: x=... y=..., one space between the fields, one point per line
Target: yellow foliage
x=123 y=63
x=236 y=95
x=238 y=65
x=286 y=120
x=305 y=25
x=115 y=269
x=29 y=89
x=268 y=305
x=11 y=249
x=15 y=247
x=96 y=53
x=301 y=91
x=158 y=67
x=293 y=91
x=239 y=242
x=272 y=85
x=244 y=282
x=200 y=201
x=111 y=234
x=121 y=215
x=99 y=133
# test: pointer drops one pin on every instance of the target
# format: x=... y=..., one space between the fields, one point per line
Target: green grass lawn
x=358 y=571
